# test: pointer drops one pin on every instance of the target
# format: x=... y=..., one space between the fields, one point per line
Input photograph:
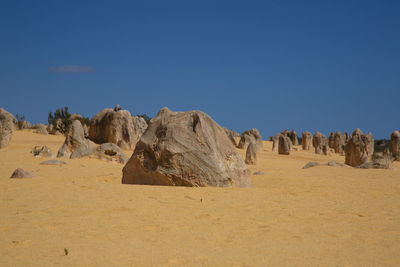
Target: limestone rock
x=293 y=138
x=20 y=173
x=306 y=141
x=284 y=146
x=394 y=145
x=117 y=126
x=231 y=135
x=319 y=141
x=185 y=149
x=251 y=154
x=359 y=148
x=252 y=135
x=76 y=145
x=53 y=162
x=41 y=129
x=42 y=151
x=110 y=152
x=7 y=125
x=275 y=143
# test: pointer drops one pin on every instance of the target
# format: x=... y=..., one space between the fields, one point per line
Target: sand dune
x=322 y=216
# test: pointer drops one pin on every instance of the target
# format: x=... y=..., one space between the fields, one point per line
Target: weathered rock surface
x=111 y=152
x=21 y=173
x=185 y=149
x=284 y=146
x=359 y=148
x=251 y=154
x=117 y=126
x=319 y=141
x=231 y=135
x=76 y=145
x=306 y=141
x=250 y=136
x=42 y=151
x=394 y=145
x=41 y=129
x=7 y=125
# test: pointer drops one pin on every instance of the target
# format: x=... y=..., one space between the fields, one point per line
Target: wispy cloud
x=71 y=69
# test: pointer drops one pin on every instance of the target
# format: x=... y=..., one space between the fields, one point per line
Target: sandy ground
x=322 y=216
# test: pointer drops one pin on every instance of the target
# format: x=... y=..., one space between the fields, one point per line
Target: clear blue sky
x=307 y=65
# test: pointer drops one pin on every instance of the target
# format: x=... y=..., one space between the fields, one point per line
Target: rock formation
x=338 y=142
x=306 y=141
x=41 y=129
x=76 y=145
x=117 y=126
x=359 y=149
x=251 y=154
x=20 y=173
x=42 y=151
x=394 y=145
x=293 y=138
x=185 y=149
x=231 y=135
x=284 y=146
x=110 y=152
x=275 y=142
x=7 y=125
x=247 y=137
x=319 y=140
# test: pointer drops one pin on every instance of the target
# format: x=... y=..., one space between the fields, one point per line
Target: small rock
x=53 y=162
x=20 y=173
x=311 y=164
x=259 y=173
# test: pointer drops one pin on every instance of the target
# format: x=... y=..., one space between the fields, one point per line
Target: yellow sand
x=322 y=216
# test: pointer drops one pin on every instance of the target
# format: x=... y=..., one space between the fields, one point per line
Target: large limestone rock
x=275 y=143
x=394 y=145
x=185 y=149
x=247 y=137
x=338 y=142
x=306 y=141
x=7 y=125
x=251 y=154
x=293 y=138
x=319 y=141
x=76 y=145
x=330 y=140
x=24 y=125
x=284 y=146
x=359 y=148
x=117 y=126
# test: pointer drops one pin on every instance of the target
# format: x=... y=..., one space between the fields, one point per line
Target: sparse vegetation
x=66 y=251
x=20 y=120
x=60 y=119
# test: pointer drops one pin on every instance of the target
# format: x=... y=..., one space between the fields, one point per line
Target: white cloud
x=71 y=69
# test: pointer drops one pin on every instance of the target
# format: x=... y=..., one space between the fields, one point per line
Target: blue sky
x=303 y=65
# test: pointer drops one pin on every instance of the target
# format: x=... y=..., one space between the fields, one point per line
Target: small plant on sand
x=66 y=251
